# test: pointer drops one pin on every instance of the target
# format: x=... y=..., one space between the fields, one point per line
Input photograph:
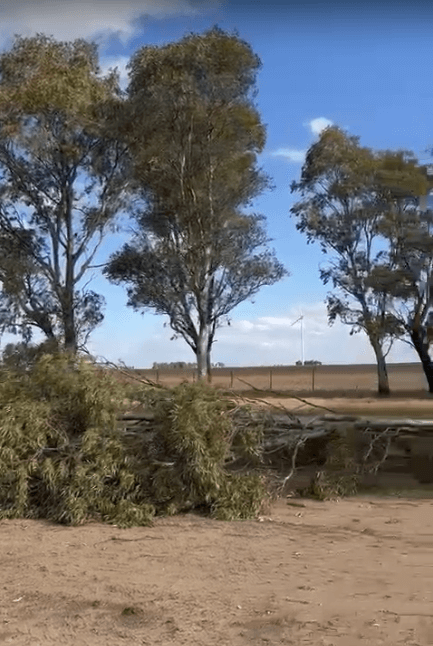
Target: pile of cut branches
x=64 y=457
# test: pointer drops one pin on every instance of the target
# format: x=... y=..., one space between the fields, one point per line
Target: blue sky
x=363 y=66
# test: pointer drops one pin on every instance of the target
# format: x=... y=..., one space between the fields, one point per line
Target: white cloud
x=264 y=340
x=291 y=154
x=90 y=19
x=245 y=326
x=318 y=124
x=296 y=156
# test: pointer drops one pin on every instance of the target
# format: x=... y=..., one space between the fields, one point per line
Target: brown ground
x=356 y=571
x=337 y=573
x=347 y=378
x=421 y=408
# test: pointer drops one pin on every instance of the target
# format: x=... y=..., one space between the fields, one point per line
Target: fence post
x=193 y=376
x=270 y=379
x=312 y=378
x=231 y=378
x=157 y=376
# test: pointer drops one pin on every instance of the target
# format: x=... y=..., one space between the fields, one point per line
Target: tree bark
x=68 y=292
x=382 y=372
x=208 y=365
x=202 y=353
x=70 y=333
x=422 y=350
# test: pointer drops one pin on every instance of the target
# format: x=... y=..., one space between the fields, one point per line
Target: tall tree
x=342 y=206
x=196 y=255
x=408 y=230
x=62 y=183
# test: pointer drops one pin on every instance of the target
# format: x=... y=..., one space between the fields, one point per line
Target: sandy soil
x=417 y=408
x=342 y=573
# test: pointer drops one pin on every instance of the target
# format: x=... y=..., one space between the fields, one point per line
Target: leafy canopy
x=196 y=255
x=53 y=138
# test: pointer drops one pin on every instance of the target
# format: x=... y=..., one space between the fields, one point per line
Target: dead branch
x=289 y=395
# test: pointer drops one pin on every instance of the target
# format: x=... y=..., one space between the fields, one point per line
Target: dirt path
x=357 y=571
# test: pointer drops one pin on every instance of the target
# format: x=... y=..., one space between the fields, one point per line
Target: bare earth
x=354 y=571
x=338 y=573
x=393 y=407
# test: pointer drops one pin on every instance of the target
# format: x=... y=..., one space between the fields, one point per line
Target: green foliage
x=407 y=274
x=195 y=255
x=350 y=194
x=184 y=466
x=57 y=160
x=61 y=456
x=40 y=74
x=242 y=497
x=20 y=357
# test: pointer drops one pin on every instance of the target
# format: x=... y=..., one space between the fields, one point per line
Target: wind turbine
x=301 y=318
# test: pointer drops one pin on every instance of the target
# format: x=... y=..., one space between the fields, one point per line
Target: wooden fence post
x=270 y=379
x=157 y=376
x=312 y=378
x=231 y=378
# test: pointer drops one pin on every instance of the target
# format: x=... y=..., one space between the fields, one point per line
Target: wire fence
x=402 y=377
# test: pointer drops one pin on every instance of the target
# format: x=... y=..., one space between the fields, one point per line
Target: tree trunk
x=208 y=365
x=70 y=338
x=203 y=353
x=421 y=348
x=68 y=306
x=382 y=373
x=201 y=356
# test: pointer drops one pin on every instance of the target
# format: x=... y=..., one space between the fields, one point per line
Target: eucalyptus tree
x=196 y=254
x=343 y=203
x=408 y=229
x=62 y=182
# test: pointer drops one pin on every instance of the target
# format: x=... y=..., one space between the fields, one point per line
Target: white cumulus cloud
x=318 y=124
x=90 y=19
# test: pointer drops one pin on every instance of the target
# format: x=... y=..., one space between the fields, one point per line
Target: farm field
x=341 y=389
x=354 y=571
x=350 y=378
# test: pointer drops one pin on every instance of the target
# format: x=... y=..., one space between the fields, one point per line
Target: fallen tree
x=73 y=447
x=64 y=458
x=346 y=446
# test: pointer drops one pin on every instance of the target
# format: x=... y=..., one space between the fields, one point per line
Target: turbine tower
x=301 y=318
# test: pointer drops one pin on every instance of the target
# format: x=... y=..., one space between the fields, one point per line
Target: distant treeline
x=309 y=363
x=183 y=365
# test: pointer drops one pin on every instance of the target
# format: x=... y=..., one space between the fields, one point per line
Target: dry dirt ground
x=336 y=573
x=418 y=408
x=341 y=573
